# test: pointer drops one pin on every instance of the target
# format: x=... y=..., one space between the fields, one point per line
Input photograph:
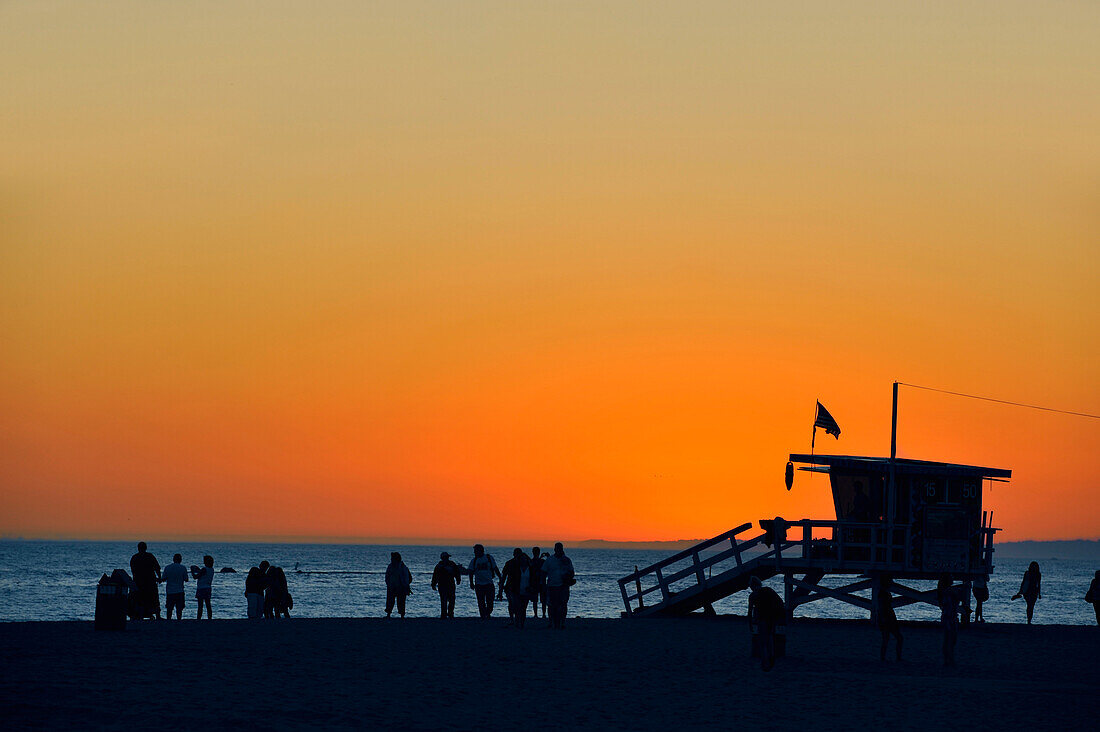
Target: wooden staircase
x=718 y=567
x=697 y=577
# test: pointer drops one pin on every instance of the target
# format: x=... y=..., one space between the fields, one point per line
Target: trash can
x=110 y=606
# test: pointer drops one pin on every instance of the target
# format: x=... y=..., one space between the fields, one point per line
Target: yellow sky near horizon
x=497 y=269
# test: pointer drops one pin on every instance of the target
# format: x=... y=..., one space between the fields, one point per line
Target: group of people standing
x=147 y=575
x=265 y=590
x=538 y=578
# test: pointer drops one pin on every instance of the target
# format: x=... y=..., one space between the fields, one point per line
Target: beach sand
x=610 y=674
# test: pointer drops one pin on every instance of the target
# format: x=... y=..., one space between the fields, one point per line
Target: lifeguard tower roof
x=902 y=465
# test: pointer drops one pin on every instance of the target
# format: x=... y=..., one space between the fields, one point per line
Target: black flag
x=825 y=421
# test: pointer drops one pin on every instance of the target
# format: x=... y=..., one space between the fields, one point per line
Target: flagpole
x=813 y=436
x=894 y=425
x=889 y=508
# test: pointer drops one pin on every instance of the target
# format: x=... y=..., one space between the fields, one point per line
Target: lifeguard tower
x=896 y=519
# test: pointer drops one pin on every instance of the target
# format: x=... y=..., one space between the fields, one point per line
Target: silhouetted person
x=964 y=594
x=515 y=582
x=174 y=575
x=482 y=569
x=146 y=572
x=398 y=584
x=538 y=580
x=949 y=617
x=560 y=576
x=887 y=620
x=279 y=594
x=765 y=610
x=254 y=585
x=1093 y=595
x=502 y=591
x=981 y=594
x=271 y=593
x=775 y=531
x=444 y=580
x=1031 y=588
x=204 y=587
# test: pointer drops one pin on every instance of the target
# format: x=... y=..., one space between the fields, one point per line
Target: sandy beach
x=610 y=674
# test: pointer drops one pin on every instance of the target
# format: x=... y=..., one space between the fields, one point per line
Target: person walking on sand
x=1030 y=588
x=560 y=576
x=444 y=580
x=515 y=582
x=398 y=584
x=887 y=620
x=949 y=617
x=981 y=594
x=254 y=585
x=765 y=611
x=145 y=570
x=482 y=569
x=204 y=577
x=174 y=575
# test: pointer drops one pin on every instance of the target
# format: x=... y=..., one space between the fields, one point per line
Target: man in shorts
x=174 y=575
x=482 y=569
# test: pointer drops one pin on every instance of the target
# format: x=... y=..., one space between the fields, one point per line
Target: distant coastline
x=1065 y=549
x=1058 y=549
x=1086 y=549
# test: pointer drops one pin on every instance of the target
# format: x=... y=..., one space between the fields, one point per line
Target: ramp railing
x=719 y=565
x=846 y=547
x=661 y=576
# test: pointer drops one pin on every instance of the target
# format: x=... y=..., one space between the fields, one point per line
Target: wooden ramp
x=718 y=567
x=699 y=576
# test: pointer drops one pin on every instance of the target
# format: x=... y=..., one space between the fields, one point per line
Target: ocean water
x=55 y=580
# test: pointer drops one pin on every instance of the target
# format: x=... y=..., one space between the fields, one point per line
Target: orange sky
x=499 y=270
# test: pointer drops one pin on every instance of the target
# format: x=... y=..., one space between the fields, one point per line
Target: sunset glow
x=486 y=271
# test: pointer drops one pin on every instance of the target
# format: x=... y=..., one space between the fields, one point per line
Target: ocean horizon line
x=357 y=540
x=1077 y=548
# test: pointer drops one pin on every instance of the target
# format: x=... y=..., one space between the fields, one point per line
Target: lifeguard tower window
x=858 y=497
